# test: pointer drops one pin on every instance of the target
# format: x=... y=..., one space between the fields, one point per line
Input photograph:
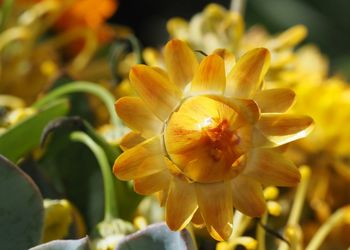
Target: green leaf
x=25 y=136
x=81 y=244
x=21 y=208
x=157 y=237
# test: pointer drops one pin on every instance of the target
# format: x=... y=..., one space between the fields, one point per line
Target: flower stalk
x=111 y=206
x=82 y=86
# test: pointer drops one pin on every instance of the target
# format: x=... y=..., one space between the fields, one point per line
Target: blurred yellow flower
x=216 y=27
x=206 y=135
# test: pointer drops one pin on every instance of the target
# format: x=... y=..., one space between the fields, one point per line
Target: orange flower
x=205 y=135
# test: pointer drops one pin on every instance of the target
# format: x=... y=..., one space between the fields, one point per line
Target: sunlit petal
x=134 y=112
x=248 y=73
x=180 y=61
x=248 y=196
x=275 y=100
x=181 y=204
x=210 y=76
x=271 y=168
x=155 y=90
x=215 y=205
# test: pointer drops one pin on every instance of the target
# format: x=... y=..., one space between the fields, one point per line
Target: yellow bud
x=140 y=222
x=271 y=193
x=274 y=208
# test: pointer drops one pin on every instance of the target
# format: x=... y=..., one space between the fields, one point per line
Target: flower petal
x=130 y=140
x=248 y=196
x=155 y=90
x=210 y=76
x=284 y=128
x=228 y=57
x=271 y=168
x=152 y=183
x=181 y=204
x=180 y=62
x=197 y=220
x=248 y=73
x=275 y=100
x=136 y=115
x=144 y=159
x=215 y=205
x=289 y=38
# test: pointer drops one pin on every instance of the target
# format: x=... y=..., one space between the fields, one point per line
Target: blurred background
x=328 y=21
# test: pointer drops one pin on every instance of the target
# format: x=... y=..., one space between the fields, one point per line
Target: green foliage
x=25 y=136
x=21 y=209
x=81 y=244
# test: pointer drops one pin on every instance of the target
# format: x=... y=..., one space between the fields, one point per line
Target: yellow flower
x=205 y=135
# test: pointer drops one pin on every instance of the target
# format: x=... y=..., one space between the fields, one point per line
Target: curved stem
x=5 y=12
x=293 y=220
x=260 y=234
x=82 y=86
x=13 y=34
x=341 y=215
x=111 y=208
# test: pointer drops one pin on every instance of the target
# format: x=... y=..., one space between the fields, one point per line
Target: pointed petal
x=284 y=128
x=271 y=168
x=130 y=140
x=136 y=115
x=210 y=76
x=275 y=100
x=144 y=159
x=155 y=90
x=181 y=204
x=288 y=38
x=248 y=196
x=248 y=73
x=215 y=205
x=152 y=183
x=180 y=62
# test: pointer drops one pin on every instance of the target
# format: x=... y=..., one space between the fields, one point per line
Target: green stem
x=340 y=216
x=291 y=229
x=238 y=6
x=111 y=206
x=260 y=234
x=82 y=86
x=5 y=12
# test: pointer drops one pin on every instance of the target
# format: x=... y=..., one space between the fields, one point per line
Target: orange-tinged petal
x=155 y=90
x=271 y=168
x=152 y=183
x=248 y=196
x=210 y=76
x=134 y=112
x=131 y=140
x=144 y=159
x=275 y=100
x=228 y=57
x=248 y=73
x=215 y=205
x=197 y=220
x=180 y=62
x=181 y=204
x=248 y=109
x=284 y=128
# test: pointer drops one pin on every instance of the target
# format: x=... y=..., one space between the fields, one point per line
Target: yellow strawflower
x=205 y=136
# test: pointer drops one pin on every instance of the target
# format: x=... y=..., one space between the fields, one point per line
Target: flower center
x=207 y=140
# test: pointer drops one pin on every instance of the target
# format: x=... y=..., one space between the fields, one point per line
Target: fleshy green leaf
x=81 y=244
x=21 y=208
x=25 y=136
x=157 y=237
